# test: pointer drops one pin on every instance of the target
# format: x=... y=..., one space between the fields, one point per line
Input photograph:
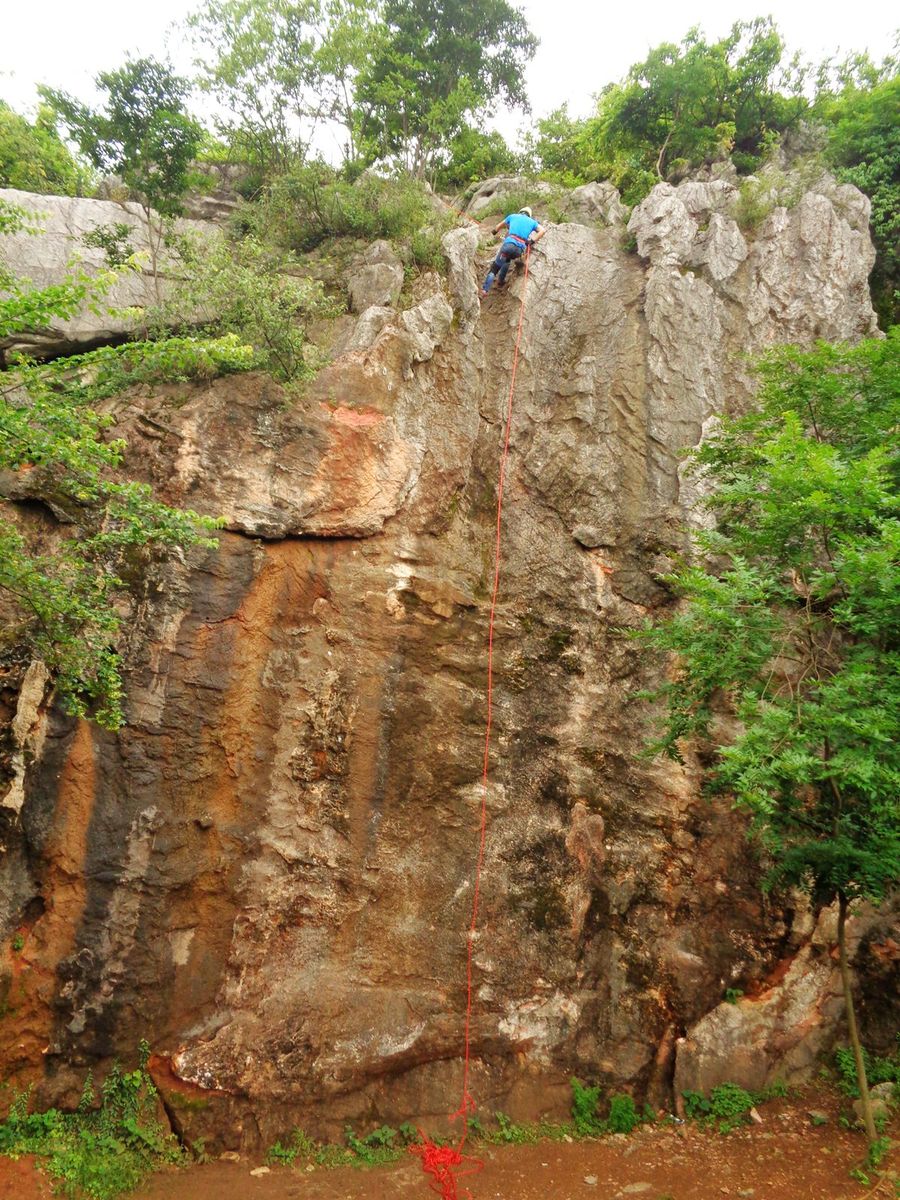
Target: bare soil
x=21 y=1180
x=784 y=1158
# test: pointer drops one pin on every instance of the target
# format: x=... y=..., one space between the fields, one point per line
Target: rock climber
x=522 y=231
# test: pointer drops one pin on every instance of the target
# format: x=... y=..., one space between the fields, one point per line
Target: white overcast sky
x=584 y=43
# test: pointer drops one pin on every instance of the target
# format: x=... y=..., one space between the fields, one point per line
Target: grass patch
x=548 y=204
x=381 y=1146
x=773 y=188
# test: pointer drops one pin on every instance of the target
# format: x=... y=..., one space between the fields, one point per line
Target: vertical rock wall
x=268 y=872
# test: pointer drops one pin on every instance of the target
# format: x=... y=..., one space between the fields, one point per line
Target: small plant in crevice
x=512 y=1133
x=114 y=239
x=732 y=995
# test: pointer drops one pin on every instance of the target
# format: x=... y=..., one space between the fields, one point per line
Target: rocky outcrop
x=268 y=872
x=377 y=280
x=781 y=1031
x=58 y=226
x=591 y=203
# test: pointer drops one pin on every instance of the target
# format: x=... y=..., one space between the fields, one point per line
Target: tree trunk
x=662 y=155
x=154 y=240
x=852 y=1029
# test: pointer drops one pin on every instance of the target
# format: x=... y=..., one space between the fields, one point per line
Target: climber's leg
x=496 y=267
x=509 y=254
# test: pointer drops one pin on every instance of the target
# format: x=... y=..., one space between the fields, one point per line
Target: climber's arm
x=537 y=234
x=500 y=225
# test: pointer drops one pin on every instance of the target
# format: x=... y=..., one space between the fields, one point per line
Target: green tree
x=472 y=155
x=281 y=70
x=859 y=104
x=34 y=158
x=792 y=622
x=439 y=63
x=144 y=134
x=691 y=103
x=553 y=148
x=54 y=447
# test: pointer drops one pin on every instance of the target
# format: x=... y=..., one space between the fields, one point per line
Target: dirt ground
x=784 y=1158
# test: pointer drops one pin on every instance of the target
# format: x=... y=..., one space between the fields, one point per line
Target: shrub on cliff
x=63 y=606
x=791 y=618
x=315 y=202
x=684 y=105
x=864 y=149
x=246 y=289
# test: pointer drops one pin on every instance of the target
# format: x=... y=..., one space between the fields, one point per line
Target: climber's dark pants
x=509 y=252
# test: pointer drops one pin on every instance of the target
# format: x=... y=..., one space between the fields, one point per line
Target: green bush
x=96 y=1152
x=314 y=202
x=108 y=370
x=726 y=1107
x=584 y=1108
x=878 y=1070
x=623 y=1116
x=247 y=289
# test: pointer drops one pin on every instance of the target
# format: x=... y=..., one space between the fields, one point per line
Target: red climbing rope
x=444 y=1162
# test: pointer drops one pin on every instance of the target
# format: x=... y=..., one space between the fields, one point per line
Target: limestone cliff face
x=268 y=872
x=55 y=239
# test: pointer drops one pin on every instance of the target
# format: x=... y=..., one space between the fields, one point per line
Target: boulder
x=43 y=259
x=663 y=227
x=492 y=191
x=720 y=248
x=780 y=1033
x=368 y=326
x=595 y=203
x=375 y=285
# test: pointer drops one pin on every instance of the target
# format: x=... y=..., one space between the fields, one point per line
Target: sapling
x=790 y=618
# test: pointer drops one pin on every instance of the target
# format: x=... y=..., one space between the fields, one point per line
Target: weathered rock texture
x=63 y=222
x=268 y=872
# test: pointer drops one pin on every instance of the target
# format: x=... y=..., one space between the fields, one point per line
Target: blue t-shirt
x=520 y=225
